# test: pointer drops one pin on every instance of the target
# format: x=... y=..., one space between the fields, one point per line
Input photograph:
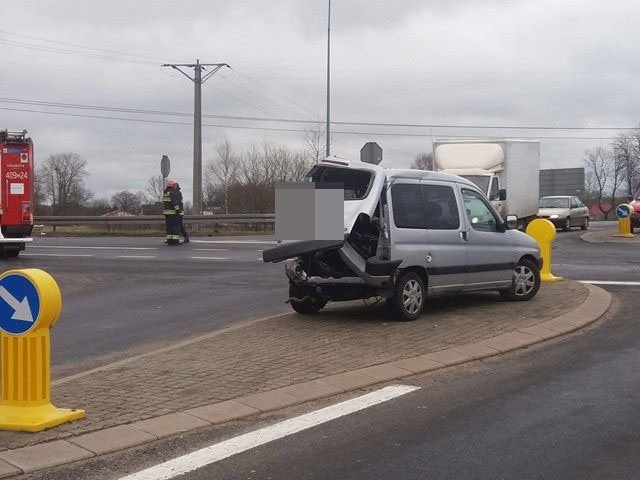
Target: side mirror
x=512 y=222
x=502 y=194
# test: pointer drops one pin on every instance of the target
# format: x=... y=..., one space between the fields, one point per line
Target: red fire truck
x=16 y=192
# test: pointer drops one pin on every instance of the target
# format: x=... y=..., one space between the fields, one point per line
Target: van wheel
x=525 y=283
x=567 y=225
x=308 y=303
x=408 y=301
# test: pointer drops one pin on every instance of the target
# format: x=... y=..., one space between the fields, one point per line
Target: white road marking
x=69 y=247
x=220 y=451
x=55 y=255
x=239 y=242
x=210 y=258
x=137 y=256
x=610 y=282
x=210 y=249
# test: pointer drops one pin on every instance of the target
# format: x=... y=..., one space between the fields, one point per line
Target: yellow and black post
x=30 y=304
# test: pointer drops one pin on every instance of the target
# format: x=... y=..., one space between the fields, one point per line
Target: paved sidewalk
x=287 y=350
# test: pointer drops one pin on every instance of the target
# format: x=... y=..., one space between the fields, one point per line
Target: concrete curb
x=61 y=452
x=591 y=237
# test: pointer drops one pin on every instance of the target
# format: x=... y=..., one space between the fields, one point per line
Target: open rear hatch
x=299 y=247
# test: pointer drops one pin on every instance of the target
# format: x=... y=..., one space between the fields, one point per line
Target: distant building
x=562 y=181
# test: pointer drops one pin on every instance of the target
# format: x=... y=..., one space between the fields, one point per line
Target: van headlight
x=553 y=216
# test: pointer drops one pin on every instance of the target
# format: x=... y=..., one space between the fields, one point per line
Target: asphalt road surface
x=128 y=295
x=567 y=409
x=124 y=296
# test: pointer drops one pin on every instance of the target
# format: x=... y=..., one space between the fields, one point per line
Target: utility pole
x=198 y=79
x=328 y=128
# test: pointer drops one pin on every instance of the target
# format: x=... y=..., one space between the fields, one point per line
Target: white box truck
x=507 y=170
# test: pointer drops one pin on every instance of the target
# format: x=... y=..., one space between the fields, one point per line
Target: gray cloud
x=526 y=62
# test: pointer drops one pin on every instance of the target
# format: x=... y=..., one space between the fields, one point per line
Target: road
x=125 y=296
x=565 y=409
x=129 y=295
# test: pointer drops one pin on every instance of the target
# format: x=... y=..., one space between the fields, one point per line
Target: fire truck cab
x=16 y=192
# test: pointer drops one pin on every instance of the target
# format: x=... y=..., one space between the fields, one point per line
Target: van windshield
x=356 y=182
x=482 y=181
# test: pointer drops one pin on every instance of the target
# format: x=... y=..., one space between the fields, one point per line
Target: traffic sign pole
x=623 y=212
x=30 y=304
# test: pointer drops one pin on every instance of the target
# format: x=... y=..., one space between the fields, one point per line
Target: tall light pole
x=328 y=128
x=198 y=79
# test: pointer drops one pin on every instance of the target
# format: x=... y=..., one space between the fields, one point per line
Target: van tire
x=566 y=226
x=409 y=298
x=310 y=304
x=521 y=292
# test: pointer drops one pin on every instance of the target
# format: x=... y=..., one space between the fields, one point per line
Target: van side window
x=441 y=207
x=408 y=207
x=480 y=216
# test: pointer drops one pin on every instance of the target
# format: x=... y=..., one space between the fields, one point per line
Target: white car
x=564 y=212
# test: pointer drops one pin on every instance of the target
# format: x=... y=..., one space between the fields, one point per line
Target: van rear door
x=362 y=182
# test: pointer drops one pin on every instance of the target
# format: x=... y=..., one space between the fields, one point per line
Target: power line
x=117 y=52
x=302 y=121
x=295 y=130
x=75 y=53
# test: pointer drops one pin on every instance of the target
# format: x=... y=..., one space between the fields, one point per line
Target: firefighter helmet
x=171 y=183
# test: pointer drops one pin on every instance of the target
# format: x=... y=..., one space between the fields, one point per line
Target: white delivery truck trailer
x=507 y=170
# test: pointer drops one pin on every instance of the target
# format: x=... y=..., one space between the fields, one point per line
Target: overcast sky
x=527 y=62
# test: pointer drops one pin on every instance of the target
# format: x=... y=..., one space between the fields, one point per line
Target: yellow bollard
x=30 y=304
x=544 y=232
x=623 y=212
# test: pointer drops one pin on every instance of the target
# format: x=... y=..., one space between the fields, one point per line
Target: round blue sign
x=19 y=304
x=623 y=211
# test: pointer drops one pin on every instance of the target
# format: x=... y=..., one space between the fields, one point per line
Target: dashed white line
x=70 y=247
x=137 y=256
x=210 y=258
x=210 y=249
x=55 y=255
x=611 y=282
x=239 y=242
x=220 y=451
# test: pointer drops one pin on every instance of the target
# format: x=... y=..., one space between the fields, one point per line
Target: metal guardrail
x=246 y=218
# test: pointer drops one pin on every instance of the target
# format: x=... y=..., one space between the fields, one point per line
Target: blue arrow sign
x=622 y=211
x=19 y=304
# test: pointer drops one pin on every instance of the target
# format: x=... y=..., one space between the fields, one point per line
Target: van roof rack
x=7 y=136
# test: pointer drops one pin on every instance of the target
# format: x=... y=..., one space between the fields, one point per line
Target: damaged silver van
x=408 y=234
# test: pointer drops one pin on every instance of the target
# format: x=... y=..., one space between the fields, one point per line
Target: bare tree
x=625 y=153
x=634 y=179
x=128 y=201
x=222 y=170
x=155 y=188
x=315 y=143
x=423 y=161
x=62 y=181
x=605 y=175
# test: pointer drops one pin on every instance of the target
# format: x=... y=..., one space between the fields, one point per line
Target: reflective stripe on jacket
x=170 y=202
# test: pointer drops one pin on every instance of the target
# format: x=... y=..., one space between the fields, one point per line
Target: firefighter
x=181 y=228
x=171 y=209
